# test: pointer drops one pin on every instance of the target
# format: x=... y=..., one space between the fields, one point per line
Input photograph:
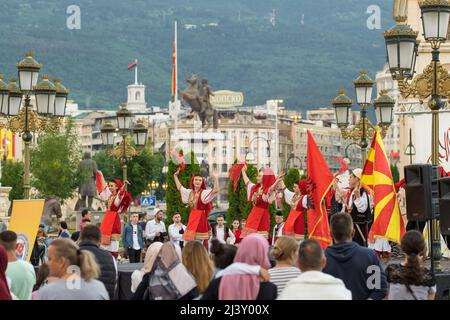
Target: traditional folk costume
x=259 y=217
x=295 y=222
x=277 y=230
x=200 y=203
x=111 y=227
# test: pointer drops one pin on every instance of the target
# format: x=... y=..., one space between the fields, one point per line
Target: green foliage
x=330 y=46
x=141 y=170
x=395 y=173
x=238 y=206
x=12 y=176
x=54 y=164
x=173 y=198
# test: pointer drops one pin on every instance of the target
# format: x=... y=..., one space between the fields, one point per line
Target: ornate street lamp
x=60 y=99
x=433 y=84
x=139 y=134
x=363 y=88
x=27 y=120
x=124 y=117
x=384 y=106
x=108 y=132
x=342 y=105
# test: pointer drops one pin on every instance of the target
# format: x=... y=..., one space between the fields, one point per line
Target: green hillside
x=303 y=63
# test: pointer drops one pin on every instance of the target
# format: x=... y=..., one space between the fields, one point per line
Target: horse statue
x=197 y=97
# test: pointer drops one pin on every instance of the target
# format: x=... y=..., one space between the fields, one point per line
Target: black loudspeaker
x=444 y=205
x=422 y=192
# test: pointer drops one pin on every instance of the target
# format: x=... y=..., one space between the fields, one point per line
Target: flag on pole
x=388 y=222
x=320 y=180
x=133 y=64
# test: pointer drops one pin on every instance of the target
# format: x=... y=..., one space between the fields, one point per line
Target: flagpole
x=176 y=104
x=135 y=73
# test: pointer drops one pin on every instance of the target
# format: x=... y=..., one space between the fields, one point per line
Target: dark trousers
x=361 y=237
x=134 y=255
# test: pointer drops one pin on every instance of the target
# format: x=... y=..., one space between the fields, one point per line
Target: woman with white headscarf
x=150 y=257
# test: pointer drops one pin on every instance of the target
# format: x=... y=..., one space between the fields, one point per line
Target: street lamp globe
x=165 y=169
x=384 y=107
x=164 y=186
x=435 y=16
x=60 y=99
x=342 y=105
x=108 y=132
x=28 y=70
x=363 y=87
x=250 y=157
x=139 y=134
x=401 y=47
x=14 y=98
x=45 y=92
x=154 y=185
x=124 y=117
x=4 y=92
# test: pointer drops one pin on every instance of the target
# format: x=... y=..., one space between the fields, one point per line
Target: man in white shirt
x=278 y=228
x=176 y=230
x=222 y=233
x=155 y=230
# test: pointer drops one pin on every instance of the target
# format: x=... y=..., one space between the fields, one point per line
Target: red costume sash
x=107 y=226
x=197 y=227
x=295 y=224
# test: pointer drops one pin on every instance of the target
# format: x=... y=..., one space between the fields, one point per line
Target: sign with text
x=148 y=201
x=25 y=219
x=227 y=99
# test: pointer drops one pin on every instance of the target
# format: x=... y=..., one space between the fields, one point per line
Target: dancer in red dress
x=298 y=200
x=261 y=195
x=199 y=198
x=117 y=201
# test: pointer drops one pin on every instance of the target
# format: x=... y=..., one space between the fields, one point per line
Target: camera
x=181 y=231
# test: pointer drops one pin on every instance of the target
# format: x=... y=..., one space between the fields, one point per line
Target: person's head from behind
x=62 y=225
x=158 y=214
x=91 y=233
x=134 y=218
x=176 y=217
x=310 y=256
x=254 y=250
x=285 y=251
x=222 y=254
x=75 y=236
x=63 y=253
x=341 y=225
x=197 y=262
x=86 y=214
x=220 y=220
x=8 y=239
x=413 y=245
x=42 y=276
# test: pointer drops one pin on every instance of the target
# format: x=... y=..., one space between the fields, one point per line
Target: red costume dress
x=295 y=223
x=111 y=227
x=259 y=217
x=200 y=203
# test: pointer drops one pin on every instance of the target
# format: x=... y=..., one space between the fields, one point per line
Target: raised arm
x=244 y=175
x=277 y=181
x=216 y=187
x=177 y=181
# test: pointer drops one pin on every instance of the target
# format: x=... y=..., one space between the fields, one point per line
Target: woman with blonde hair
x=199 y=264
x=75 y=271
x=150 y=257
x=285 y=253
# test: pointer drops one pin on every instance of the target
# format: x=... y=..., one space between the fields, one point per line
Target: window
x=243 y=150
x=224 y=151
x=215 y=167
x=214 y=151
x=137 y=96
x=224 y=167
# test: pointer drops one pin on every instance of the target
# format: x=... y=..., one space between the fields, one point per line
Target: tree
x=395 y=173
x=173 y=198
x=12 y=176
x=54 y=164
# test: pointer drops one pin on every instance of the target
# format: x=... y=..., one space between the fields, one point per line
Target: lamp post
x=291 y=157
x=249 y=155
x=153 y=186
x=50 y=98
x=125 y=150
x=432 y=85
x=410 y=149
x=364 y=129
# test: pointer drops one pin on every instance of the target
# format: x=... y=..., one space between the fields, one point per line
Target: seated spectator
x=159 y=283
x=285 y=253
x=353 y=263
x=312 y=283
x=20 y=272
x=90 y=239
x=63 y=257
x=241 y=280
x=198 y=263
x=5 y=294
x=410 y=280
x=150 y=257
